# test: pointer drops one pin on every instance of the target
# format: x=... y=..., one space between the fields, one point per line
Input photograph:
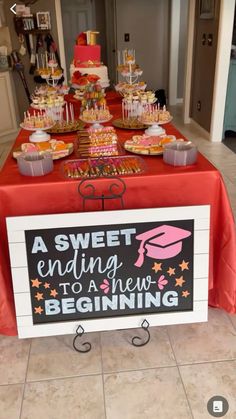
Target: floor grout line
x=103 y=381
x=25 y=382
x=176 y=365
x=181 y=378
x=234 y=326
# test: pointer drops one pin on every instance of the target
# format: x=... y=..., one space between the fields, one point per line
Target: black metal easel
x=115 y=189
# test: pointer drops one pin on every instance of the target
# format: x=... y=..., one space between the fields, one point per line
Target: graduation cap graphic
x=162 y=242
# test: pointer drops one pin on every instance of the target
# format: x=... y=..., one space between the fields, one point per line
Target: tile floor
x=173 y=377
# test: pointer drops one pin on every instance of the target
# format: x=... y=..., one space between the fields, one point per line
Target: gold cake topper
x=91 y=37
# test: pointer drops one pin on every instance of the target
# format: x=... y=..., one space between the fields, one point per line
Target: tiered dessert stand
x=130 y=72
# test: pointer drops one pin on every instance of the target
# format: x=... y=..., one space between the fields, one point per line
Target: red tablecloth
x=160 y=186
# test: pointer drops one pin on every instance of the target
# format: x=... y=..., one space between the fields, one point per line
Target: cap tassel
x=140 y=260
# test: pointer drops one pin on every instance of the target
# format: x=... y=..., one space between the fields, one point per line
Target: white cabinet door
x=8 y=118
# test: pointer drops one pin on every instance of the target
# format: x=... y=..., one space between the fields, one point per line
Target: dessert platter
x=148 y=145
x=44 y=102
x=64 y=120
x=96 y=116
x=102 y=167
x=154 y=116
x=124 y=87
x=129 y=123
x=58 y=149
x=63 y=127
x=143 y=97
x=39 y=123
x=97 y=142
x=45 y=90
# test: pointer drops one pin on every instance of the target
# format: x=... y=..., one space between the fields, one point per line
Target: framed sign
x=43 y=20
x=109 y=270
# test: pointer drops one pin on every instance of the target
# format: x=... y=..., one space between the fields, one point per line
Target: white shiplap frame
x=16 y=227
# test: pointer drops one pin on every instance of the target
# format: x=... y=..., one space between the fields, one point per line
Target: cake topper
x=91 y=37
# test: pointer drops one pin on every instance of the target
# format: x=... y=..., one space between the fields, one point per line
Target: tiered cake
x=87 y=58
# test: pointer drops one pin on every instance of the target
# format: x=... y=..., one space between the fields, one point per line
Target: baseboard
x=9 y=137
x=204 y=133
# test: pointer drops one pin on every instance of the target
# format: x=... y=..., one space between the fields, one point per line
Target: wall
x=5 y=39
x=147 y=22
x=41 y=5
x=100 y=19
x=182 y=46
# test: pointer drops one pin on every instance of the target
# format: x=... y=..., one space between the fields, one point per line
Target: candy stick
x=118 y=57
x=67 y=114
x=37 y=61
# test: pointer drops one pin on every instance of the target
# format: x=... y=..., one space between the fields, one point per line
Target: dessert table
x=160 y=185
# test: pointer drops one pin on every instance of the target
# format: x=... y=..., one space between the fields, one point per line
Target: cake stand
x=155 y=127
x=96 y=124
x=38 y=135
x=51 y=79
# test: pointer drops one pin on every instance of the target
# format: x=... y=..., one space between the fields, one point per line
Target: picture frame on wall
x=207 y=9
x=43 y=20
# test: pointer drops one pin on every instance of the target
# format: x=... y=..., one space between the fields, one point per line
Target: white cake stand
x=39 y=135
x=155 y=127
x=96 y=124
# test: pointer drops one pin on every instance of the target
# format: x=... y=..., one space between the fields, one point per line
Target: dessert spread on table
x=97 y=147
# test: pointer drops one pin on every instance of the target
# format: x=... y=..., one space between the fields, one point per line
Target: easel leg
x=86 y=346
x=137 y=341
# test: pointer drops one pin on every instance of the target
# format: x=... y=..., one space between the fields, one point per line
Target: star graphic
x=184 y=265
x=171 y=271
x=179 y=281
x=38 y=310
x=46 y=285
x=39 y=296
x=54 y=293
x=36 y=283
x=185 y=294
x=157 y=267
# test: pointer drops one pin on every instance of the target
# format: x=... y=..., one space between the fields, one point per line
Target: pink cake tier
x=87 y=60
x=84 y=53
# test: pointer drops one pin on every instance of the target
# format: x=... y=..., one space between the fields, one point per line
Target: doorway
x=113 y=19
x=204 y=62
x=77 y=16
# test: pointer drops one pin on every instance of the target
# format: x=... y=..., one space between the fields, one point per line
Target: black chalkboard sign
x=110 y=270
